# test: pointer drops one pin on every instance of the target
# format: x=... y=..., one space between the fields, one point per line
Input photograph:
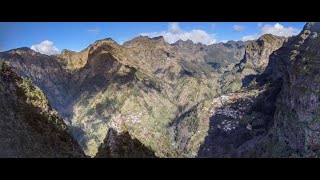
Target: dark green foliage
x=35 y=98
x=135 y=91
x=107 y=104
x=184 y=127
x=29 y=127
x=3 y=66
x=148 y=81
x=195 y=69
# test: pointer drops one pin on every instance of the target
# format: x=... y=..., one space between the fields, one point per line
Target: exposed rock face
x=235 y=126
x=253 y=63
x=73 y=60
x=45 y=72
x=257 y=52
x=241 y=126
x=256 y=57
x=297 y=118
x=122 y=146
x=29 y=126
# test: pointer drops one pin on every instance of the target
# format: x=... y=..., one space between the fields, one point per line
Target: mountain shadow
x=241 y=127
x=122 y=145
x=29 y=127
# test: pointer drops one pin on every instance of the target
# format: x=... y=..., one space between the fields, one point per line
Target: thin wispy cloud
x=45 y=47
x=175 y=33
x=95 y=31
x=260 y=24
x=213 y=25
x=250 y=37
x=276 y=29
x=238 y=28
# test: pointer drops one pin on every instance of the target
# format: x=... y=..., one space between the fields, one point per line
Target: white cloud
x=174 y=27
x=276 y=29
x=213 y=25
x=175 y=33
x=238 y=28
x=250 y=37
x=279 y=30
x=96 y=30
x=259 y=24
x=45 y=47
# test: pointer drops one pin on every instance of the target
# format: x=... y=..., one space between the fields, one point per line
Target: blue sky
x=50 y=38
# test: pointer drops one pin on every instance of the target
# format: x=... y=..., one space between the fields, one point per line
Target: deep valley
x=148 y=98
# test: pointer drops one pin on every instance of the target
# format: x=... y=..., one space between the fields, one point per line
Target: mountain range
x=149 y=98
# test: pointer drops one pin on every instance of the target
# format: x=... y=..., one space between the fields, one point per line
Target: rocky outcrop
x=257 y=52
x=123 y=146
x=29 y=126
x=254 y=62
x=73 y=60
x=297 y=115
x=257 y=57
x=46 y=72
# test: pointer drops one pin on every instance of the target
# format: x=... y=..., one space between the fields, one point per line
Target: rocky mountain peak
x=66 y=51
x=108 y=41
x=23 y=50
x=178 y=42
x=76 y=60
x=160 y=38
x=145 y=41
x=312 y=26
x=187 y=42
x=256 y=58
x=270 y=39
x=257 y=52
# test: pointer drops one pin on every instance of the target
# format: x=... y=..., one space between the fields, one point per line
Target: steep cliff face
x=46 y=72
x=297 y=116
x=253 y=63
x=256 y=57
x=121 y=145
x=29 y=126
x=257 y=53
x=236 y=126
x=73 y=60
